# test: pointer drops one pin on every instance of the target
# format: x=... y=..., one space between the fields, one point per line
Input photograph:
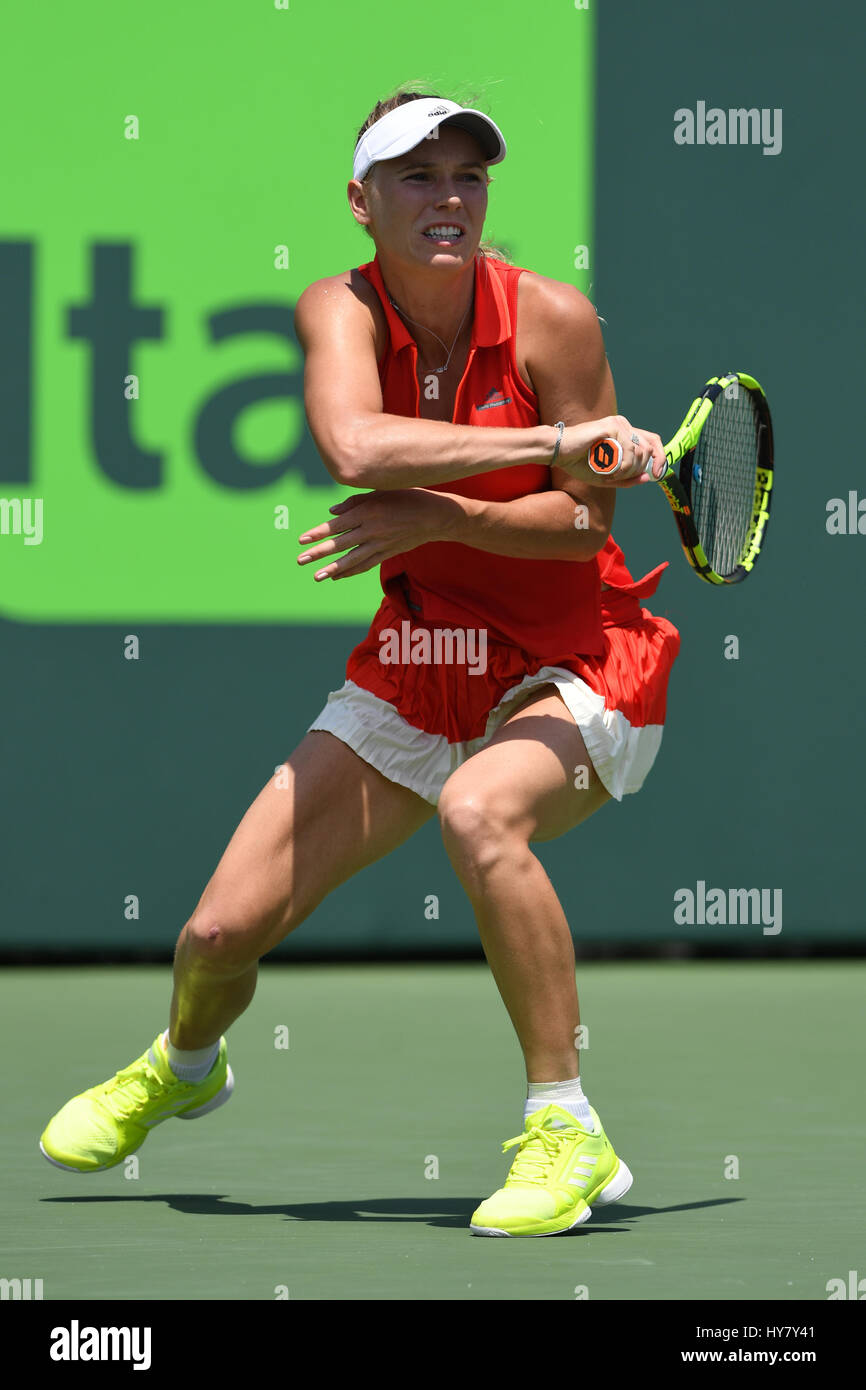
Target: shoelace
x=532 y=1166
x=121 y=1094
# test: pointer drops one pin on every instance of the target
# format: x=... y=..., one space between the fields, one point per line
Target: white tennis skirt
x=621 y=754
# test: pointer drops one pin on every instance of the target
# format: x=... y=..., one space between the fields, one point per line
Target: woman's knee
x=222 y=942
x=479 y=825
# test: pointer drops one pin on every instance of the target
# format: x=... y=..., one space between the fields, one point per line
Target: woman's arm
x=542 y=526
x=373 y=526
x=570 y=374
x=364 y=448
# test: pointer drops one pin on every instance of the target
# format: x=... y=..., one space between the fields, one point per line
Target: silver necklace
x=436 y=335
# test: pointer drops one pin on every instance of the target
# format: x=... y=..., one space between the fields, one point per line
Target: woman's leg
x=328 y=815
x=521 y=787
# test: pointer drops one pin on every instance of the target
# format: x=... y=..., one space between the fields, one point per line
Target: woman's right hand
x=577 y=440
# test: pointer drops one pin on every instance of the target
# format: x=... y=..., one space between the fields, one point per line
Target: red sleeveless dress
x=535 y=614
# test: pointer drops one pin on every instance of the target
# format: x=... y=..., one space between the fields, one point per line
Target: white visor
x=407 y=125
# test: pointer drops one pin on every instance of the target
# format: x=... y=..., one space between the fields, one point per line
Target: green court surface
x=311 y=1181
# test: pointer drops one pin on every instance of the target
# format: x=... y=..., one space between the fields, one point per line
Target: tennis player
x=510 y=679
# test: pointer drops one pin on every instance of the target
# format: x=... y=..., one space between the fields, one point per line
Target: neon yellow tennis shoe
x=559 y=1171
x=102 y=1126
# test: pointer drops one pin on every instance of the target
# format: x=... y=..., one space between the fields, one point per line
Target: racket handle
x=605 y=456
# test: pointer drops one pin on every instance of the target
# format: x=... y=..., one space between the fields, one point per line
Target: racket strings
x=723 y=479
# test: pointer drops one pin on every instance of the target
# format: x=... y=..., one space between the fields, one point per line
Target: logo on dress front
x=494 y=397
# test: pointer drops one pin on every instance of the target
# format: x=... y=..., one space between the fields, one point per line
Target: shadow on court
x=454 y=1212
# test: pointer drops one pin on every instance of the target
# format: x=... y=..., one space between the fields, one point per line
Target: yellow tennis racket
x=719 y=476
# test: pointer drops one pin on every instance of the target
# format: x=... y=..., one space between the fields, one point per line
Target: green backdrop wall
x=172 y=188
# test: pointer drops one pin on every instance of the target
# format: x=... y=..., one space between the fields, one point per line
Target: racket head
x=720 y=477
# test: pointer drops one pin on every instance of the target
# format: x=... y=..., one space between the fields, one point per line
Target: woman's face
x=442 y=182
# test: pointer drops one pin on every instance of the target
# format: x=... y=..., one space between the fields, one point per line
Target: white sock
x=568 y=1095
x=190 y=1066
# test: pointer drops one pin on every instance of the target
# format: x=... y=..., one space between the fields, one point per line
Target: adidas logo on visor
x=438 y=111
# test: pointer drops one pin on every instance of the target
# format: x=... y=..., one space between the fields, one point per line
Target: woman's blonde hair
x=411 y=91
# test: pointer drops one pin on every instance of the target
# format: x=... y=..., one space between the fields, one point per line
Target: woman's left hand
x=373 y=526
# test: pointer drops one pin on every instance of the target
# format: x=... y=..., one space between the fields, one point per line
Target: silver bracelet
x=560 y=425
